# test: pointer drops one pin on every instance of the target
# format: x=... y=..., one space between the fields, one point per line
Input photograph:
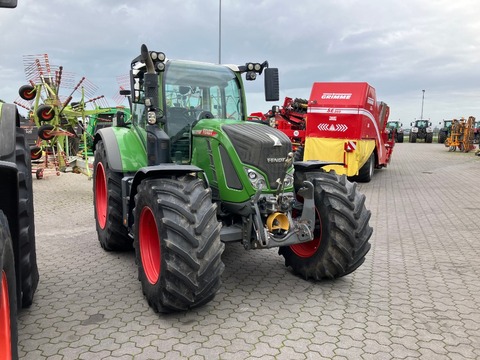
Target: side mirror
x=119 y=119
x=8 y=4
x=125 y=92
x=272 y=87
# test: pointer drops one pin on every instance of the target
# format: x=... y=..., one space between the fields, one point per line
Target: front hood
x=260 y=146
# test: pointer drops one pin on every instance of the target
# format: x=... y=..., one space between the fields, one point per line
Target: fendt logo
x=337 y=96
x=276 y=140
x=332 y=127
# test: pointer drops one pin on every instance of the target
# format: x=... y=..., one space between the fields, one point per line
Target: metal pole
x=423 y=98
x=220 y=31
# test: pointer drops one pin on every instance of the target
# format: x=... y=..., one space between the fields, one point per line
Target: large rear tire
x=177 y=243
x=8 y=297
x=341 y=231
x=107 y=203
x=28 y=256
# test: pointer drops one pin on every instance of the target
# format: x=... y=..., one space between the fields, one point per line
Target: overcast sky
x=399 y=47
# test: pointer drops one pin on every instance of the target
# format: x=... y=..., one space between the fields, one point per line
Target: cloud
x=401 y=48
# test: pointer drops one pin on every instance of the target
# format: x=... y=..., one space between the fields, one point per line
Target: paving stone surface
x=417 y=296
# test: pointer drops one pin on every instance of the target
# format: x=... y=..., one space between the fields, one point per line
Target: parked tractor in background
x=101 y=118
x=444 y=131
x=188 y=173
x=395 y=131
x=346 y=126
x=421 y=130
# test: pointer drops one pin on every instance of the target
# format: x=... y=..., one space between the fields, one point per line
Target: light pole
x=423 y=98
x=220 y=31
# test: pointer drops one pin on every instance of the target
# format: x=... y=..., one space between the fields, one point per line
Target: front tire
x=8 y=297
x=429 y=138
x=442 y=136
x=413 y=137
x=341 y=232
x=298 y=155
x=177 y=243
x=107 y=201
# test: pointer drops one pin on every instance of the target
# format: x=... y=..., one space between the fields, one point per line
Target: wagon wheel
x=45 y=132
x=45 y=112
x=39 y=173
x=35 y=153
x=27 y=92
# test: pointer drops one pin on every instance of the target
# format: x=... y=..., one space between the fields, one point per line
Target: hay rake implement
x=59 y=120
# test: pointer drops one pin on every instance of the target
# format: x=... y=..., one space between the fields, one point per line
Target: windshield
x=191 y=89
x=422 y=123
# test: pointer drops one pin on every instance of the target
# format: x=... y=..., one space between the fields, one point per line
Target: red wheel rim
x=101 y=196
x=149 y=243
x=29 y=95
x=47 y=135
x=36 y=154
x=5 y=335
x=308 y=249
x=47 y=114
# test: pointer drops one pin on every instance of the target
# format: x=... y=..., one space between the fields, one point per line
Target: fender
x=125 y=151
x=8 y=123
x=130 y=184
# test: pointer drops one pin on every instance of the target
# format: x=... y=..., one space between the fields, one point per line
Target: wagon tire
x=45 y=112
x=27 y=92
x=365 y=173
x=107 y=204
x=44 y=132
x=177 y=243
x=35 y=152
x=342 y=231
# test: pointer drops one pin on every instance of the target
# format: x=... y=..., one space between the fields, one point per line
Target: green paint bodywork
x=132 y=148
x=219 y=89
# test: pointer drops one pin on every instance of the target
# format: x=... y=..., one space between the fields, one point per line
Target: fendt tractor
x=188 y=174
x=444 y=131
x=395 y=131
x=18 y=262
x=421 y=130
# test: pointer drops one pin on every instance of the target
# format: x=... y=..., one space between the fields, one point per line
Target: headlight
x=288 y=182
x=151 y=117
x=257 y=180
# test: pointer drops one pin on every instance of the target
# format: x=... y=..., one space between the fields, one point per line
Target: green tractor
x=101 y=118
x=188 y=174
x=444 y=131
x=421 y=130
x=395 y=131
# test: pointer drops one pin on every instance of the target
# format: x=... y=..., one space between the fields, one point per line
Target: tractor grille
x=261 y=146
